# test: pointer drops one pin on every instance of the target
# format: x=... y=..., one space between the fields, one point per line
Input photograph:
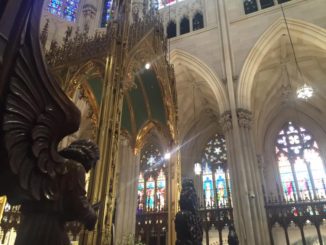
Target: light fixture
x=197 y=168
x=305 y=91
x=167 y=156
x=147 y=66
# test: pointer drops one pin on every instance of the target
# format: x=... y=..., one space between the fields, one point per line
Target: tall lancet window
x=107 y=12
x=215 y=176
x=152 y=180
x=301 y=168
x=140 y=190
x=66 y=9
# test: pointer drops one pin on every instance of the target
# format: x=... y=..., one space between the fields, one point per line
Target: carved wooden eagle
x=35 y=113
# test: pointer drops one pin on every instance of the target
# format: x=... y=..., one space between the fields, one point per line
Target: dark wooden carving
x=188 y=223
x=35 y=115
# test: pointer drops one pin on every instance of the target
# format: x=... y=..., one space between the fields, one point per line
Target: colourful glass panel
x=296 y=146
x=163 y=3
x=55 y=7
x=161 y=189
x=107 y=12
x=303 y=179
x=215 y=151
x=315 y=162
x=140 y=190
x=208 y=187
x=70 y=11
x=150 y=193
x=220 y=183
x=287 y=179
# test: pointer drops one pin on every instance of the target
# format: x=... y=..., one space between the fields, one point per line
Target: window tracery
x=66 y=9
x=300 y=166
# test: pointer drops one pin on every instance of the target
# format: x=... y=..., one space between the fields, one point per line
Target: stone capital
x=226 y=121
x=89 y=10
x=244 y=118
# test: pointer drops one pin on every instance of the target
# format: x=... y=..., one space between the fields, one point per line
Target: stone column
x=126 y=201
x=248 y=203
x=253 y=176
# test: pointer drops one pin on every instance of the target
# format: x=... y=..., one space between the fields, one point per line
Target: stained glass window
x=152 y=180
x=301 y=168
x=70 y=10
x=171 y=29
x=161 y=185
x=221 y=191
x=164 y=3
x=215 y=177
x=55 y=7
x=151 y=158
x=208 y=187
x=150 y=193
x=266 y=3
x=250 y=6
x=64 y=8
x=184 y=26
x=197 y=22
x=107 y=12
x=140 y=190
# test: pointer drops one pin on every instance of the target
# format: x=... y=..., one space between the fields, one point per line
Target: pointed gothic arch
x=307 y=31
x=194 y=63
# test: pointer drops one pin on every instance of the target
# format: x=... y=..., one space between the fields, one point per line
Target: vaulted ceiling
x=143 y=102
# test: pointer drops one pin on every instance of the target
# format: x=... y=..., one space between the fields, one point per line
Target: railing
x=151 y=227
x=300 y=213
x=11 y=220
x=215 y=217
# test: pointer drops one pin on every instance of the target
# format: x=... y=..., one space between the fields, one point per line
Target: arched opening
x=184 y=26
x=197 y=22
x=171 y=30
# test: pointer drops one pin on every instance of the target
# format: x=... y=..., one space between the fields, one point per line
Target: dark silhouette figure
x=43 y=221
x=188 y=223
x=232 y=237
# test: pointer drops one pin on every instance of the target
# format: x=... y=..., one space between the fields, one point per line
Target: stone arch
x=299 y=117
x=307 y=31
x=206 y=73
x=150 y=126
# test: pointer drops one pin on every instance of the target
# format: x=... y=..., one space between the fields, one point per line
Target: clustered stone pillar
x=126 y=200
x=248 y=204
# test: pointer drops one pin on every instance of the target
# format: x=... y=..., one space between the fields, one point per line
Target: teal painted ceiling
x=142 y=103
x=96 y=86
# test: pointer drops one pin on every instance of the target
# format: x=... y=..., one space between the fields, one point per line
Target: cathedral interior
x=228 y=93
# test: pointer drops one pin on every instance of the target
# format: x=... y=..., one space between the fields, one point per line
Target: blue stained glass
x=220 y=187
x=150 y=191
x=208 y=187
x=55 y=7
x=70 y=11
x=66 y=9
x=107 y=11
